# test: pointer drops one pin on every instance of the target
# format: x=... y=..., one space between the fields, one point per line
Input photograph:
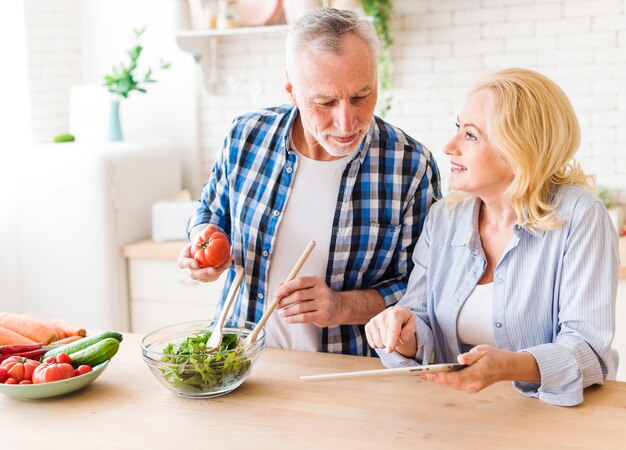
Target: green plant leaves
x=380 y=11
x=121 y=81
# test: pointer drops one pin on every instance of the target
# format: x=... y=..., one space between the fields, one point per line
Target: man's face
x=335 y=95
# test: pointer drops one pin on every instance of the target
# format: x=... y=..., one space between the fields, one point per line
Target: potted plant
x=122 y=80
x=380 y=11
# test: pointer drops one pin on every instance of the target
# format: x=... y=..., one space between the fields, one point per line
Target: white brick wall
x=442 y=47
x=54 y=65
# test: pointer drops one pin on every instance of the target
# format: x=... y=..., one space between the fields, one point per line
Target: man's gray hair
x=323 y=30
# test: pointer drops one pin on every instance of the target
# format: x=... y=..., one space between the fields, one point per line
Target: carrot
x=68 y=329
x=32 y=327
x=8 y=337
x=67 y=340
x=60 y=333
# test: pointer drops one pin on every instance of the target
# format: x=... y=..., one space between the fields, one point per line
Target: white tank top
x=308 y=216
x=474 y=323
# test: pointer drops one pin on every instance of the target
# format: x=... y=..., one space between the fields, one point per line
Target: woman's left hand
x=485 y=365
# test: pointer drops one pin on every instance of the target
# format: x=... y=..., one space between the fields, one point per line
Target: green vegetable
x=64 y=138
x=96 y=354
x=83 y=343
x=191 y=368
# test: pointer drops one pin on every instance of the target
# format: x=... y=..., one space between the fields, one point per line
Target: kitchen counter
x=149 y=249
x=128 y=408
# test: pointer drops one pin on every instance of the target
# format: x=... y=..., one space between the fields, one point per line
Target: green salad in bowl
x=179 y=358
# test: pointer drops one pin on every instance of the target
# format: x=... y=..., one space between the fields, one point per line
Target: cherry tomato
x=63 y=358
x=46 y=373
x=3 y=375
x=211 y=248
x=50 y=360
x=82 y=370
x=19 y=368
x=11 y=381
x=26 y=382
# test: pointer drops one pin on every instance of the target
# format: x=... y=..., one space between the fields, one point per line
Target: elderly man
x=324 y=169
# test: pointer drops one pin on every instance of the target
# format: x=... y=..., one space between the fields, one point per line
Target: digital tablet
x=448 y=367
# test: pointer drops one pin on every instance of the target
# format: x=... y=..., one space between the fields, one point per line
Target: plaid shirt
x=385 y=193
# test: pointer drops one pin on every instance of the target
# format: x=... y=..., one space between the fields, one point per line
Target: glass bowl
x=198 y=374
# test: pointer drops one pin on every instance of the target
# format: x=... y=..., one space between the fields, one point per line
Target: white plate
x=54 y=388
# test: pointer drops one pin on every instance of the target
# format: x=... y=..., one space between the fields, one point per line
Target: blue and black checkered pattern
x=385 y=193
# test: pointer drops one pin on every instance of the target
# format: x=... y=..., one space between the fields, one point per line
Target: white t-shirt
x=308 y=216
x=474 y=323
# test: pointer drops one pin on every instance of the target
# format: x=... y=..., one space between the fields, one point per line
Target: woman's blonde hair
x=532 y=124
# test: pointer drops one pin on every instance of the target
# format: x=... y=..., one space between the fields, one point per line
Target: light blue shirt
x=553 y=293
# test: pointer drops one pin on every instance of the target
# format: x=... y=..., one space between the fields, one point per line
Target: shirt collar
x=467 y=233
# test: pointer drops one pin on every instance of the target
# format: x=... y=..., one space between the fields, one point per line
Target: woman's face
x=477 y=168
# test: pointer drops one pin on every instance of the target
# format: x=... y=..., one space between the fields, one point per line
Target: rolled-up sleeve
x=581 y=353
x=416 y=300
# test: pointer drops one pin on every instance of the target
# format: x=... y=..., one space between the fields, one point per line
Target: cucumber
x=96 y=354
x=85 y=342
x=64 y=138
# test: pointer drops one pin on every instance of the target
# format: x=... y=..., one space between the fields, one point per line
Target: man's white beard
x=331 y=147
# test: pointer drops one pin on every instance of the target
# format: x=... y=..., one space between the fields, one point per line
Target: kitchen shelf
x=202 y=44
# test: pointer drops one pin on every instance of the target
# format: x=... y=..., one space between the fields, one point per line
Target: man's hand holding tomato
x=207 y=256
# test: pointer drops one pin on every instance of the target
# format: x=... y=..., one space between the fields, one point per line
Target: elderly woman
x=516 y=272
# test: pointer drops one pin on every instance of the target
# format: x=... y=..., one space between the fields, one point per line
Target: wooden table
x=127 y=408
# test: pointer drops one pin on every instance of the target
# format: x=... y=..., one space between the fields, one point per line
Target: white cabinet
x=77 y=205
x=161 y=293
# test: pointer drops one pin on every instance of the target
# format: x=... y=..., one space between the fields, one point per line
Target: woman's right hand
x=393 y=329
x=186 y=261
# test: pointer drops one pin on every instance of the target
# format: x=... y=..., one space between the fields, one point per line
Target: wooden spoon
x=217 y=334
x=252 y=337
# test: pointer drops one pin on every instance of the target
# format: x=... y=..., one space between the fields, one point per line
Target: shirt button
x=260 y=296
x=498 y=325
x=265 y=253
x=500 y=281
x=289 y=169
x=277 y=213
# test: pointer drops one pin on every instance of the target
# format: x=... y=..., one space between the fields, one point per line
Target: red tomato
x=50 y=360
x=46 y=373
x=3 y=375
x=11 y=381
x=63 y=358
x=19 y=368
x=26 y=382
x=211 y=248
x=82 y=370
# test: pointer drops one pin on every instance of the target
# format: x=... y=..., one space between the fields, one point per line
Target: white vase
x=294 y=9
x=115 y=125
